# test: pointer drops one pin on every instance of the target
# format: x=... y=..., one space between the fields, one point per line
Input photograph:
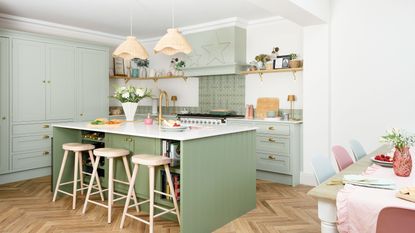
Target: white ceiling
x=151 y=17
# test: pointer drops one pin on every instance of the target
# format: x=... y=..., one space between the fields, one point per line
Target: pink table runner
x=358 y=207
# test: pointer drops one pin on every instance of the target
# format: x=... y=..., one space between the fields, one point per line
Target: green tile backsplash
x=222 y=92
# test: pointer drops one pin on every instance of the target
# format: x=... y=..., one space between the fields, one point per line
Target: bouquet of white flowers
x=131 y=94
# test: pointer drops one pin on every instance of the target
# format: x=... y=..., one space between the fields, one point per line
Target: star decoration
x=194 y=58
x=215 y=51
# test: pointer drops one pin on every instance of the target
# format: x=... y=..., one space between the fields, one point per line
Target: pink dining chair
x=342 y=157
x=396 y=220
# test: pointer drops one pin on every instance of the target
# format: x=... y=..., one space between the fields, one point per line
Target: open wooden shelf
x=155 y=79
x=261 y=72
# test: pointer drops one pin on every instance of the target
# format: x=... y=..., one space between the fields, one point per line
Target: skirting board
x=24 y=175
x=307 y=179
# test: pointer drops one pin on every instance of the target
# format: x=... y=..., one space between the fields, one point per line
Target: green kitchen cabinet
x=93 y=99
x=28 y=82
x=60 y=82
x=4 y=105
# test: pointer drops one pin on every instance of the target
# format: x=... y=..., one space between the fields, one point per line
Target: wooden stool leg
x=167 y=168
x=131 y=190
x=127 y=171
x=110 y=187
x=58 y=183
x=81 y=175
x=151 y=176
x=91 y=183
x=91 y=157
x=75 y=180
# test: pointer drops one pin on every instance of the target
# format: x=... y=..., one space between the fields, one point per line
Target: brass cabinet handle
x=49 y=81
x=273 y=157
x=45 y=152
x=130 y=139
x=81 y=114
x=3 y=118
x=45 y=126
x=271 y=140
x=44 y=81
x=45 y=137
x=271 y=128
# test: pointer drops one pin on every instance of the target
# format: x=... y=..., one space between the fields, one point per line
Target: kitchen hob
x=206 y=118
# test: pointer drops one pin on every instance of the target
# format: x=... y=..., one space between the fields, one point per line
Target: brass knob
x=3 y=118
x=81 y=114
x=45 y=152
x=44 y=81
x=45 y=136
x=273 y=157
x=271 y=128
x=49 y=81
x=45 y=126
x=271 y=140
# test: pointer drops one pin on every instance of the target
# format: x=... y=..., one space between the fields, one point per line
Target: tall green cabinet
x=4 y=105
x=51 y=80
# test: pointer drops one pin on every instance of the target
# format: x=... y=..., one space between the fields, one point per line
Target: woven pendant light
x=131 y=48
x=173 y=42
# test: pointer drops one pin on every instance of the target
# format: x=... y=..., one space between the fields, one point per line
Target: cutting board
x=266 y=104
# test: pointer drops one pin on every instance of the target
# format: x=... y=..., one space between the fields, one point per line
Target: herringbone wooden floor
x=27 y=207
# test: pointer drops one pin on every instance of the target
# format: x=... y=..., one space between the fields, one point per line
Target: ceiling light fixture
x=131 y=48
x=173 y=42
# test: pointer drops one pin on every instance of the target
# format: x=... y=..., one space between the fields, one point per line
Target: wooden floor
x=27 y=207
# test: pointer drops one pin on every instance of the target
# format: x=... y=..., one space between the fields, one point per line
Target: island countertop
x=154 y=131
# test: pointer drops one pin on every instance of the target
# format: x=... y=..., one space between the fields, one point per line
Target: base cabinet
x=278 y=150
x=51 y=81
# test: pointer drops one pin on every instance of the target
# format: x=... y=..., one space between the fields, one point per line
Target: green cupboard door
x=28 y=82
x=93 y=98
x=4 y=105
x=60 y=82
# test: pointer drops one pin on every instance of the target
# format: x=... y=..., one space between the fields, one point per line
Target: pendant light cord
x=172 y=13
x=131 y=22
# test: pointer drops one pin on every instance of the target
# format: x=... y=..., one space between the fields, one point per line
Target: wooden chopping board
x=266 y=104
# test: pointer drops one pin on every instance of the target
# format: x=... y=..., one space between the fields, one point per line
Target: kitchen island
x=216 y=169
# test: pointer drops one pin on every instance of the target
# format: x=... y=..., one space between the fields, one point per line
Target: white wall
x=261 y=38
x=373 y=74
x=316 y=114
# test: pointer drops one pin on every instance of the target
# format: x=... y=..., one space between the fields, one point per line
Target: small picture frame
x=277 y=64
x=119 y=67
x=285 y=61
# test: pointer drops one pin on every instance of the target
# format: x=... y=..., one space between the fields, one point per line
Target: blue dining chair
x=322 y=168
x=357 y=148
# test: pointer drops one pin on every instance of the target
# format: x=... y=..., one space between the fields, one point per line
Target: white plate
x=382 y=163
x=173 y=129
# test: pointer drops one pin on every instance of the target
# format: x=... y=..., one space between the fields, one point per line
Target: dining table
x=330 y=191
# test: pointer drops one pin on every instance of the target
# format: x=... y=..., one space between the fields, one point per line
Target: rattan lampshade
x=173 y=42
x=130 y=49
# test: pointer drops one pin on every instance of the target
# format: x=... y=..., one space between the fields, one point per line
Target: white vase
x=129 y=110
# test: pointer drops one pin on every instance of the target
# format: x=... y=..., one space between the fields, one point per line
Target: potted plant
x=129 y=98
x=141 y=67
x=294 y=62
x=178 y=66
x=402 y=161
x=261 y=60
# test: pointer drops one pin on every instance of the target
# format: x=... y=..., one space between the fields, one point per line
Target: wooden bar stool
x=77 y=148
x=151 y=161
x=110 y=154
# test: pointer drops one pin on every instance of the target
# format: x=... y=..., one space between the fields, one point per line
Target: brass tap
x=162 y=93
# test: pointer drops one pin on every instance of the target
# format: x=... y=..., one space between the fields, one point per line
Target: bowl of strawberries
x=383 y=160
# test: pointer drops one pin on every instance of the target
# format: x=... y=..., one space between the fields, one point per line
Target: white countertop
x=153 y=131
x=262 y=120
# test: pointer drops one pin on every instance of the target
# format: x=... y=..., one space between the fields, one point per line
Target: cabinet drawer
x=273 y=128
x=31 y=143
x=32 y=129
x=31 y=160
x=273 y=144
x=273 y=163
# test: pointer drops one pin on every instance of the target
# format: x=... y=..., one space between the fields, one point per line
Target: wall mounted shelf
x=261 y=72
x=155 y=79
